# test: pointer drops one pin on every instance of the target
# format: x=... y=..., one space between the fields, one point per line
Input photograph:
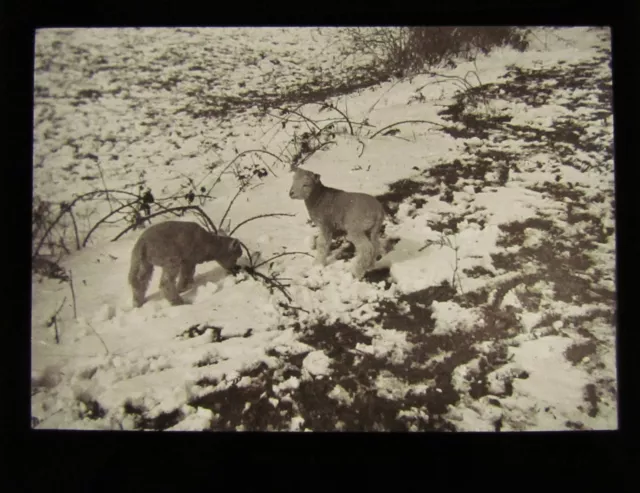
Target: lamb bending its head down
x=358 y=215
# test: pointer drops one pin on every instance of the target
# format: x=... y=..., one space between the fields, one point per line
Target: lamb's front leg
x=323 y=243
x=187 y=271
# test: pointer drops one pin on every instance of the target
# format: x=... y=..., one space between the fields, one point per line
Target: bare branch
x=73 y=296
x=172 y=209
x=297 y=308
x=224 y=216
x=238 y=157
x=98 y=336
x=258 y=217
x=344 y=115
x=269 y=281
x=313 y=151
x=361 y=150
x=407 y=121
x=248 y=252
x=95 y=226
x=104 y=184
x=54 y=320
x=75 y=228
x=281 y=255
x=66 y=209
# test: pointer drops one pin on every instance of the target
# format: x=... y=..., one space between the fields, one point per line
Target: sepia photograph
x=323 y=229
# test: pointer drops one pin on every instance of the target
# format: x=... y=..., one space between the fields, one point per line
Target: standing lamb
x=177 y=247
x=335 y=211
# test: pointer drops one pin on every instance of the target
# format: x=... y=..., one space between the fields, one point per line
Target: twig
x=407 y=121
x=362 y=150
x=104 y=184
x=381 y=96
x=96 y=225
x=224 y=216
x=61 y=242
x=462 y=80
x=98 y=336
x=270 y=281
x=343 y=114
x=284 y=305
x=186 y=177
x=172 y=209
x=258 y=217
x=548 y=31
x=305 y=118
x=313 y=151
x=446 y=241
x=342 y=120
x=455 y=271
x=54 y=320
x=238 y=157
x=73 y=296
x=75 y=228
x=280 y=255
x=243 y=246
x=64 y=211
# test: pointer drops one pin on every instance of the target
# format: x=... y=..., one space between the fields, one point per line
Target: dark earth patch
x=478 y=271
x=592 y=398
x=578 y=351
x=515 y=231
x=402 y=190
x=248 y=406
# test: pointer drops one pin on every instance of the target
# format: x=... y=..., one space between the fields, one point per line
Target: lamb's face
x=233 y=253
x=226 y=252
x=303 y=183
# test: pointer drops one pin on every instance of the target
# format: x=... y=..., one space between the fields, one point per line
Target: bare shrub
x=402 y=50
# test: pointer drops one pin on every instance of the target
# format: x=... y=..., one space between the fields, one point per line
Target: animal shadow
x=215 y=274
x=394 y=249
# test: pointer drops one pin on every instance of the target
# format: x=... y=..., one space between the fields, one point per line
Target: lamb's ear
x=234 y=245
x=316 y=177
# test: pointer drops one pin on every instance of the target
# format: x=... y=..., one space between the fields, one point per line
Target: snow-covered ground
x=493 y=307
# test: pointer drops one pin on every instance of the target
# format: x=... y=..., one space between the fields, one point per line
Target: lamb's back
x=172 y=239
x=348 y=210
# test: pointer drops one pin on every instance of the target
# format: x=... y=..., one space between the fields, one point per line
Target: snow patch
x=451 y=317
x=316 y=364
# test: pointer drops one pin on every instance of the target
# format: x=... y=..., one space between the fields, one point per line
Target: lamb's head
x=227 y=251
x=304 y=182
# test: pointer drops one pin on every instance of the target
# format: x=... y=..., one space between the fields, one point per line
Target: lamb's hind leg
x=168 y=283
x=364 y=253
